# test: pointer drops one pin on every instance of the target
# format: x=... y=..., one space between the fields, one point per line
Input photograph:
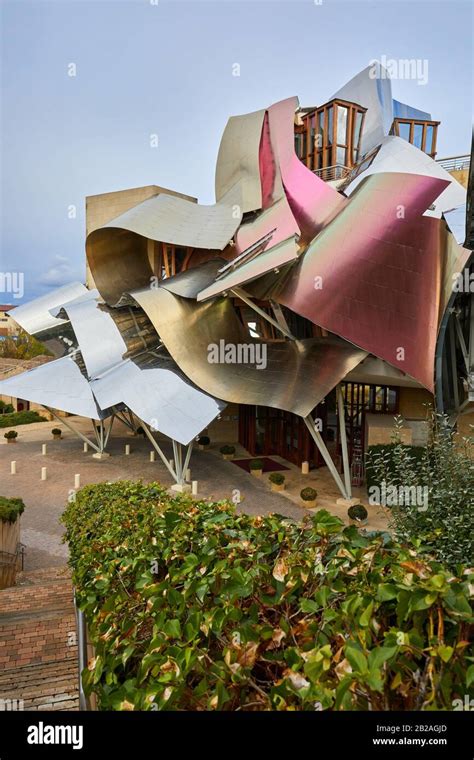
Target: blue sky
x=166 y=69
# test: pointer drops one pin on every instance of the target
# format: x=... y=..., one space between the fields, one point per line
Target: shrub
x=387 y=451
x=357 y=512
x=191 y=606
x=204 y=440
x=444 y=476
x=276 y=477
x=10 y=435
x=140 y=431
x=308 y=494
x=6 y=408
x=56 y=431
x=20 y=418
x=227 y=450
x=256 y=464
x=10 y=509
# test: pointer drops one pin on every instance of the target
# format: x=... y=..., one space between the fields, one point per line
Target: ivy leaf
x=356 y=658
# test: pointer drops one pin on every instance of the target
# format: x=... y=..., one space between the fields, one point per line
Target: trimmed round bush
x=308 y=494
x=56 y=431
x=204 y=440
x=227 y=450
x=358 y=512
x=10 y=435
x=256 y=464
x=10 y=509
x=277 y=478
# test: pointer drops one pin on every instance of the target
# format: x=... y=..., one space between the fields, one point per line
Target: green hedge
x=191 y=606
x=388 y=449
x=10 y=509
x=20 y=418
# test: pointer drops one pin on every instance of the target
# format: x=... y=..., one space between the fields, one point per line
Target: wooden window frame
x=317 y=158
x=424 y=124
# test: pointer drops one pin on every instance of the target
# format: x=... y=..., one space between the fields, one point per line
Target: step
x=50 y=686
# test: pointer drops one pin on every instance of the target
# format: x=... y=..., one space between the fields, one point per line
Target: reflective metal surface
x=296 y=376
x=238 y=160
x=35 y=316
x=380 y=267
x=398 y=155
x=189 y=283
x=270 y=260
x=118 y=252
x=159 y=397
x=99 y=339
x=58 y=384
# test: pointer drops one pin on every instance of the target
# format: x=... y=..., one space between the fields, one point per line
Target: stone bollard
x=13 y=468
x=194 y=488
x=152 y=456
x=188 y=475
x=43 y=473
x=304 y=468
x=43 y=449
x=85 y=448
x=127 y=449
x=77 y=480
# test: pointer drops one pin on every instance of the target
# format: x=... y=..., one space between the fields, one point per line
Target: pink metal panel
x=380 y=267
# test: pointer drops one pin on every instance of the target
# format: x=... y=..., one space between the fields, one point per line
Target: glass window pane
x=328 y=156
x=341 y=125
x=321 y=128
x=304 y=144
x=404 y=131
x=341 y=156
x=330 y=125
x=357 y=126
x=429 y=139
x=418 y=135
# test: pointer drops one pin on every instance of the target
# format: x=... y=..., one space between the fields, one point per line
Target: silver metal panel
x=267 y=261
x=396 y=155
x=238 y=159
x=297 y=374
x=98 y=336
x=456 y=220
x=189 y=283
x=159 y=397
x=58 y=384
x=35 y=317
x=377 y=372
x=90 y=295
x=375 y=94
x=170 y=219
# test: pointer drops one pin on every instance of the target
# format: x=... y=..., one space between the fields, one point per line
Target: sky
x=167 y=68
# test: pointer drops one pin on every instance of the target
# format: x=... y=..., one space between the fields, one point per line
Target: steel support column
x=342 y=430
x=316 y=436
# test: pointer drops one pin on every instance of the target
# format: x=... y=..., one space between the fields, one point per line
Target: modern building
x=8 y=326
x=327 y=290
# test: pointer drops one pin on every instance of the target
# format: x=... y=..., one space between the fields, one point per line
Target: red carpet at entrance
x=268 y=464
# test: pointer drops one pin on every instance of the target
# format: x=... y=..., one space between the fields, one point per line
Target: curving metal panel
x=58 y=384
x=35 y=317
x=269 y=260
x=189 y=283
x=296 y=376
x=373 y=276
x=160 y=397
x=238 y=160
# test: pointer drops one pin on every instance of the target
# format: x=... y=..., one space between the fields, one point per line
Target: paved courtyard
x=218 y=479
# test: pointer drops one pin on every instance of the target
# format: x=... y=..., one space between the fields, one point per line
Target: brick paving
x=38 y=649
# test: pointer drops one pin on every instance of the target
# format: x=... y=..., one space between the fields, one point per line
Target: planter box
x=309 y=504
x=358 y=523
x=277 y=486
x=11 y=440
x=256 y=473
x=227 y=456
x=57 y=437
x=201 y=447
x=10 y=558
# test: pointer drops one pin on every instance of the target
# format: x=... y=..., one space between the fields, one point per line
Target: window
x=421 y=134
x=330 y=136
